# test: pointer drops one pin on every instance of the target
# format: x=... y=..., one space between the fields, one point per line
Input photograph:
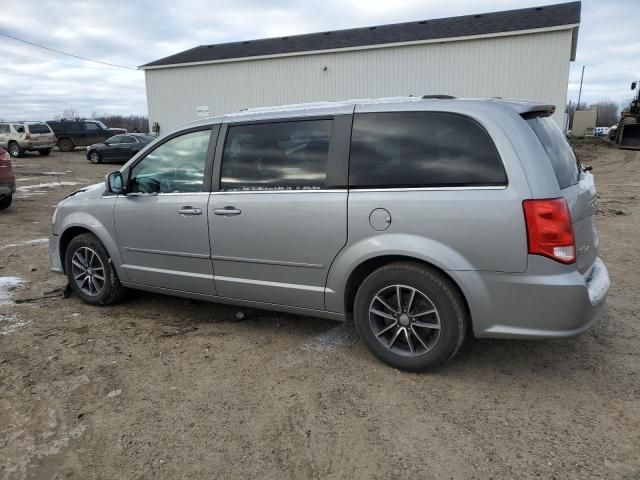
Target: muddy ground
x=160 y=387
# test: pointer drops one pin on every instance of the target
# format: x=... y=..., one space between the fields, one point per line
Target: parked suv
x=7 y=180
x=422 y=219
x=80 y=133
x=18 y=137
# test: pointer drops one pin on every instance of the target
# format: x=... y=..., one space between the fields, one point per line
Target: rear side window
x=422 y=149
x=563 y=160
x=38 y=128
x=276 y=156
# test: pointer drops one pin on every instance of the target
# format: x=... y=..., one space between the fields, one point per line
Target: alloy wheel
x=404 y=320
x=94 y=157
x=88 y=271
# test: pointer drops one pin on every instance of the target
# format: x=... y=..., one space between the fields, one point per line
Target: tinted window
x=146 y=138
x=91 y=127
x=563 y=160
x=18 y=128
x=127 y=139
x=38 y=128
x=115 y=140
x=175 y=166
x=4 y=128
x=287 y=155
x=427 y=149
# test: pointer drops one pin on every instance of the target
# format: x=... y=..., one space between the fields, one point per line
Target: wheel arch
x=368 y=266
x=72 y=231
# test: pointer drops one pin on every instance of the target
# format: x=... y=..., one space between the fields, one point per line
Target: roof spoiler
x=538 y=111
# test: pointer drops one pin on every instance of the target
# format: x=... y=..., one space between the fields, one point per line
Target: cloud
x=37 y=84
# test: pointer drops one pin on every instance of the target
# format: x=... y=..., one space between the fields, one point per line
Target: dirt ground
x=160 y=387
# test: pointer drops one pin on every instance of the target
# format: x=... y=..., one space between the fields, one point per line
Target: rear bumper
x=535 y=304
x=39 y=146
x=7 y=187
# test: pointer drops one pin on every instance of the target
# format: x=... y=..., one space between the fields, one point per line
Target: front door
x=277 y=224
x=161 y=224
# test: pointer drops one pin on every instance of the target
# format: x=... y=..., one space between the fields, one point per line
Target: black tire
x=66 y=145
x=94 y=157
x=44 y=151
x=15 y=150
x=438 y=290
x=112 y=291
x=5 y=201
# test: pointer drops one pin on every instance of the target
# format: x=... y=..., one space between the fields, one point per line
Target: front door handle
x=189 y=211
x=227 y=211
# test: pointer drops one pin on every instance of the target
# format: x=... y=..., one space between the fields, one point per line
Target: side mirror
x=115 y=182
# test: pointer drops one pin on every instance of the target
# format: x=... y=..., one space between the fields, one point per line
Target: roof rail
x=438 y=97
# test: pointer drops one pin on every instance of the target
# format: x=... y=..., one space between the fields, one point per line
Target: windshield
x=563 y=160
x=102 y=125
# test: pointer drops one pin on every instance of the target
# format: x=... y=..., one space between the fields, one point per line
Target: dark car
x=80 y=133
x=7 y=180
x=118 y=148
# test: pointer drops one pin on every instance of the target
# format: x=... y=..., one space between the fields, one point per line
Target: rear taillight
x=549 y=229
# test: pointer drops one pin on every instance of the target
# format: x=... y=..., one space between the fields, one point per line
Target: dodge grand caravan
x=421 y=219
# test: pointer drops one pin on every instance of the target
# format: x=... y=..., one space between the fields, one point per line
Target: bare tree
x=70 y=112
x=608 y=113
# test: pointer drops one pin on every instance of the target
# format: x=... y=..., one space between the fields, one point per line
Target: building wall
x=531 y=66
x=582 y=120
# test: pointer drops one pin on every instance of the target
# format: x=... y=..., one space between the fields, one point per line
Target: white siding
x=528 y=66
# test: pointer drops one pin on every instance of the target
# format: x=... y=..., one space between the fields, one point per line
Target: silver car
x=422 y=219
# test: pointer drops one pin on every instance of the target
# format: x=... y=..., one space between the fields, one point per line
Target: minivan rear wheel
x=410 y=316
x=90 y=271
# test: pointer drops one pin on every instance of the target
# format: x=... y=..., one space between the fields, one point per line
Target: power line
x=65 y=53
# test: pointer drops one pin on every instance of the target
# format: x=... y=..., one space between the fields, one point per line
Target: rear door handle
x=189 y=211
x=227 y=211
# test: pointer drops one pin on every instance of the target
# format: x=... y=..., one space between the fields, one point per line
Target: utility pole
x=580 y=92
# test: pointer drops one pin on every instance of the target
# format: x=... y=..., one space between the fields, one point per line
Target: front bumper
x=535 y=304
x=54 y=254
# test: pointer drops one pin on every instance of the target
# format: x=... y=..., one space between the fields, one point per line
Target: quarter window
x=176 y=166
x=127 y=139
x=422 y=149
x=276 y=156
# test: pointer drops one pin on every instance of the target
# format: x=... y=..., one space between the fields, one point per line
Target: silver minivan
x=422 y=219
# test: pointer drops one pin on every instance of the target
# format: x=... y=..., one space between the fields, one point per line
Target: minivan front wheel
x=410 y=316
x=90 y=271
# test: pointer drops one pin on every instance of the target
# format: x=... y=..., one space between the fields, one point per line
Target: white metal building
x=523 y=54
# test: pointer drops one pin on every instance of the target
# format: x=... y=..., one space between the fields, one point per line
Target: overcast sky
x=37 y=84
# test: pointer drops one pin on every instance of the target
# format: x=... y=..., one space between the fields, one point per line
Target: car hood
x=90 y=191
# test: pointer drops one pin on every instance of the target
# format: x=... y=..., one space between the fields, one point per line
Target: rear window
x=563 y=160
x=422 y=149
x=38 y=128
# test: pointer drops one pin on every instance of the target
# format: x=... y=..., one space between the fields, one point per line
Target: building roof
x=442 y=28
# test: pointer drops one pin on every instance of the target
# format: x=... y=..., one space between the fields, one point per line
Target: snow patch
x=28 y=188
x=587 y=182
x=11 y=323
x=7 y=285
x=24 y=242
x=344 y=335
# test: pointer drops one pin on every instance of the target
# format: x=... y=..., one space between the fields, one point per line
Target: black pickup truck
x=80 y=133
